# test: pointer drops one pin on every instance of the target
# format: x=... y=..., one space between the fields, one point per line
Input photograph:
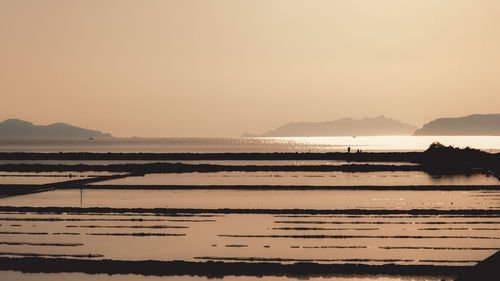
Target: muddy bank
x=104 y=210
x=164 y=168
x=21 y=189
x=150 y=168
x=7 y=190
x=218 y=269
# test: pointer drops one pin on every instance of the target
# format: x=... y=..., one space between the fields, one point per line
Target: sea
x=261 y=144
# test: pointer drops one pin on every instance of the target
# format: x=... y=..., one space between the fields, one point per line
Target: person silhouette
x=348 y=149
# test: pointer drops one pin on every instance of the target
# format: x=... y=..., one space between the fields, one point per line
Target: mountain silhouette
x=472 y=125
x=378 y=126
x=19 y=128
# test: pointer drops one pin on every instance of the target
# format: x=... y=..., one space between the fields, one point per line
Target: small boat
x=91 y=139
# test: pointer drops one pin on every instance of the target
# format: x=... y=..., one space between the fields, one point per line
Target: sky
x=168 y=68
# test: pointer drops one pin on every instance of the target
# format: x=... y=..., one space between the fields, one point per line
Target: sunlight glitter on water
x=257 y=144
x=390 y=143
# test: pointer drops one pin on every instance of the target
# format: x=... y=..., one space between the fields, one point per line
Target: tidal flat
x=316 y=218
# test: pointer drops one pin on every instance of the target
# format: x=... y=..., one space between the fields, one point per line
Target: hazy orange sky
x=221 y=68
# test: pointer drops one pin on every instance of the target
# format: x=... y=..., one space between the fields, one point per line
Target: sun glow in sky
x=164 y=68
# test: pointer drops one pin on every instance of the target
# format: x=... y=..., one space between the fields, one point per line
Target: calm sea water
x=199 y=145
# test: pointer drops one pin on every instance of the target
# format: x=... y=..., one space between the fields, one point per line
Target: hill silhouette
x=378 y=126
x=19 y=128
x=472 y=125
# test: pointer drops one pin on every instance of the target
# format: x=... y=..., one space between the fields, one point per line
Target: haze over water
x=275 y=144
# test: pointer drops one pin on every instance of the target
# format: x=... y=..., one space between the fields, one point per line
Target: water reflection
x=260 y=199
x=304 y=178
x=340 y=239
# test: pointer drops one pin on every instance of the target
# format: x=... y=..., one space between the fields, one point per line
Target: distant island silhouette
x=378 y=126
x=472 y=125
x=22 y=129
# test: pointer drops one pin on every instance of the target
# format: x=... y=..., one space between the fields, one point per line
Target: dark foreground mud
x=217 y=269
x=487 y=270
